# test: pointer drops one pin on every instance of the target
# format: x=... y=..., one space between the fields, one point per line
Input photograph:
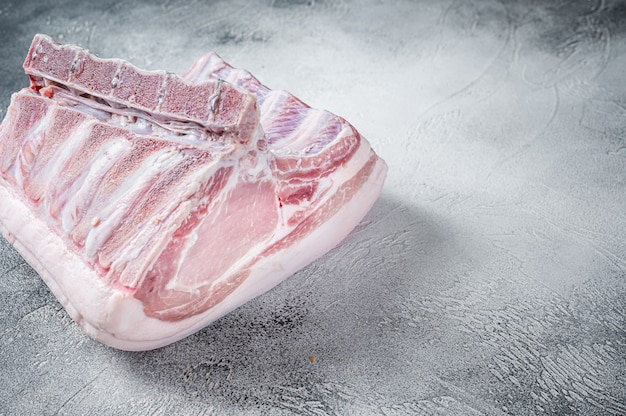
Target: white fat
x=306 y=128
x=111 y=214
x=189 y=242
x=98 y=235
x=86 y=108
x=61 y=156
x=103 y=160
x=33 y=140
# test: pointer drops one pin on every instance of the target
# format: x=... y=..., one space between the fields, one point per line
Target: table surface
x=489 y=278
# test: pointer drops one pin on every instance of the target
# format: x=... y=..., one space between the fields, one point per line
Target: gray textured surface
x=488 y=279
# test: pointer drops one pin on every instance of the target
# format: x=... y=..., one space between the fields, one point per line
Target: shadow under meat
x=330 y=322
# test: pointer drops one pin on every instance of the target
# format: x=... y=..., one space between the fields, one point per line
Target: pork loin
x=152 y=204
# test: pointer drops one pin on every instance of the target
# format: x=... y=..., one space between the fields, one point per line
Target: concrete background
x=488 y=279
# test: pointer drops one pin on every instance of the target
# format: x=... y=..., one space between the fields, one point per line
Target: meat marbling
x=152 y=204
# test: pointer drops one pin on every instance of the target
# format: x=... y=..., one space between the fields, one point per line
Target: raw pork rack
x=152 y=204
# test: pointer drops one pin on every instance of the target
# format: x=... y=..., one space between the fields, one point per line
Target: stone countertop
x=489 y=278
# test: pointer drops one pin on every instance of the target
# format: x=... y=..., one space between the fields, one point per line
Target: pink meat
x=215 y=105
x=121 y=171
x=152 y=204
x=64 y=122
x=25 y=113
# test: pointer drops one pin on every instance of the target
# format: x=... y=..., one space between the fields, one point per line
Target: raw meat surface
x=152 y=204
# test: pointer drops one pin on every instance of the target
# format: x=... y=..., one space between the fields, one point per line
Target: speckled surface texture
x=490 y=277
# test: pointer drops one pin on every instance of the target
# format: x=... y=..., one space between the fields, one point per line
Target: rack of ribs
x=152 y=204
